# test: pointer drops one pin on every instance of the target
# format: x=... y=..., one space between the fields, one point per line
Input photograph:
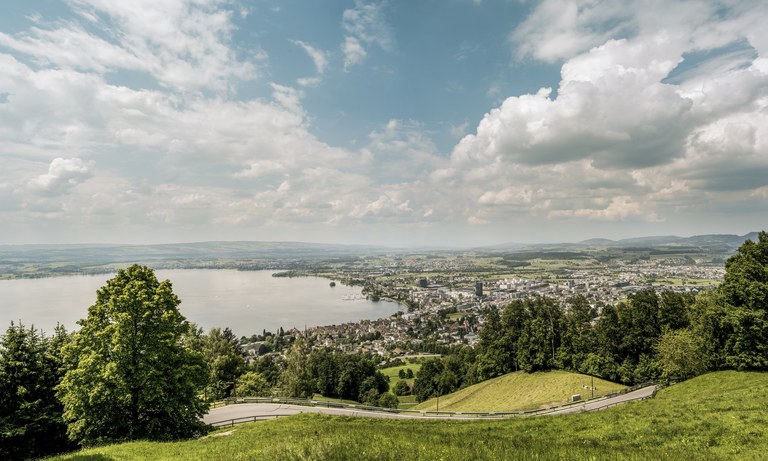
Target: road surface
x=258 y=411
x=600 y=404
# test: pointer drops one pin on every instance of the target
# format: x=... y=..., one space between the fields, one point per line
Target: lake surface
x=245 y=301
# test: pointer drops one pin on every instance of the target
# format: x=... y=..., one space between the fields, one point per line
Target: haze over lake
x=245 y=301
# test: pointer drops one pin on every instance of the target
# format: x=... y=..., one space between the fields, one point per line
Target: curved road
x=600 y=404
x=259 y=411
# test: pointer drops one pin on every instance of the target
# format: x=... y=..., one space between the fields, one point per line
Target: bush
x=388 y=400
x=401 y=388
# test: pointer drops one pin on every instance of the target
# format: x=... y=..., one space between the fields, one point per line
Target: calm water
x=247 y=302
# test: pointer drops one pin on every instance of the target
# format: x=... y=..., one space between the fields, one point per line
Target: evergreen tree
x=609 y=333
x=132 y=377
x=31 y=422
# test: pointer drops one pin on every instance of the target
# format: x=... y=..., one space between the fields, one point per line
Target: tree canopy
x=132 y=377
x=744 y=295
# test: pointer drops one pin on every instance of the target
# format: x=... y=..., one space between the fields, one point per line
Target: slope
x=717 y=416
x=521 y=391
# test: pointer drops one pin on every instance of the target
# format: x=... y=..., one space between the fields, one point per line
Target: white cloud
x=401 y=151
x=618 y=141
x=619 y=208
x=63 y=174
x=559 y=29
x=261 y=168
x=319 y=57
x=354 y=52
x=364 y=25
x=181 y=43
x=65 y=47
x=615 y=141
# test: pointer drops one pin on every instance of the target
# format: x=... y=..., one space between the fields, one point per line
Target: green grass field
x=520 y=391
x=717 y=416
x=406 y=401
x=393 y=373
x=323 y=398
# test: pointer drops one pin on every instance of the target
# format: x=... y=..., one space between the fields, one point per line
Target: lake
x=245 y=301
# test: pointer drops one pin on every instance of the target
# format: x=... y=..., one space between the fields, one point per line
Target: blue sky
x=434 y=122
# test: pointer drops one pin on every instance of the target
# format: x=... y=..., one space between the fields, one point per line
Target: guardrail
x=241 y=420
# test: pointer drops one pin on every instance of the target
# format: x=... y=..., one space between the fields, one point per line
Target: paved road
x=257 y=411
x=272 y=410
x=600 y=404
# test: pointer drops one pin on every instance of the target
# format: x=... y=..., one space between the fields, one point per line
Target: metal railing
x=244 y=419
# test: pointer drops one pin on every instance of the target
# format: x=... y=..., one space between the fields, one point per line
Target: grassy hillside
x=393 y=373
x=716 y=416
x=520 y=391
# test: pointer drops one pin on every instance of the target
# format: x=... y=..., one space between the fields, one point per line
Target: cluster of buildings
x=442 y=303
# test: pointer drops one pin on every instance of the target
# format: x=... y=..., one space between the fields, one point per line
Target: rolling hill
x=520 y=391
x=716 y=416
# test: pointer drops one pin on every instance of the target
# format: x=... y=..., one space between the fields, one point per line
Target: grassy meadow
x=406 y=401
x=521 y=391
x=717 y=416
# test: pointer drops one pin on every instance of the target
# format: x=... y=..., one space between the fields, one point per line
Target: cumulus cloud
x=63 y=174
x=611 y=106
x=619 y=139
x=650 y=122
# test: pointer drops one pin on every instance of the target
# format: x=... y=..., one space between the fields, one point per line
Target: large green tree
x=744 y=294
x=132 y=377
x=222 y=354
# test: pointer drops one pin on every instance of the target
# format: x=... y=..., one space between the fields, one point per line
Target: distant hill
x=197 y=250
x=729 y=240
x=520 y=391
x=25 y=261
x=710 y=243
x=50 y=260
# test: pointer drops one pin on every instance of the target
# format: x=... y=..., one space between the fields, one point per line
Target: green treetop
x=132 y=377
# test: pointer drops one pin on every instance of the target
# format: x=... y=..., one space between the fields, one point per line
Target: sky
x=401 y=123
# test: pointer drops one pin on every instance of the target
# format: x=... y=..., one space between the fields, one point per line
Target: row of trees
x=334 y=374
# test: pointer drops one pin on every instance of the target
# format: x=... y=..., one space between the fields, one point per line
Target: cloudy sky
x=441 y=122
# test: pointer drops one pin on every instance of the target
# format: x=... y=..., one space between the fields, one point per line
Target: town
x=441 y=301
